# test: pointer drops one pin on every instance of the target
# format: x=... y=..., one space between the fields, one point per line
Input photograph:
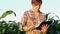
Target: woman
x=33 y=18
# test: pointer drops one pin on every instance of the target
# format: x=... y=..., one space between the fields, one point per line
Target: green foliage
x=54 y=27
x=9 y=27
x=7 y=13
x=47 y=16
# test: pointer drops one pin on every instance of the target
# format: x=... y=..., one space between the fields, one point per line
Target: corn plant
x=9 y=27
x=54 y=27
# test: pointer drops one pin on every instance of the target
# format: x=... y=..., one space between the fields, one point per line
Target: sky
x=20 y=6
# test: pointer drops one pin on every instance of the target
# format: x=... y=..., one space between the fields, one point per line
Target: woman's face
x=36 y=7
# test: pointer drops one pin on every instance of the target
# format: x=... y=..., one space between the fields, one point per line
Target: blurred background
x=20 y=6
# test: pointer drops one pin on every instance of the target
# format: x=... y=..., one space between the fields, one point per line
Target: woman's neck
x=35 y=10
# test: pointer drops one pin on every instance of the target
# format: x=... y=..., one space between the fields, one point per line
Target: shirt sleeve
x=44 y=18
x=23 y=21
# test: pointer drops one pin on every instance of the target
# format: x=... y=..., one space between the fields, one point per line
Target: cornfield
x=11 y=27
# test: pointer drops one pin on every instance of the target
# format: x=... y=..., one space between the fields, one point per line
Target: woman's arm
x=23 y=22
x=23 y=25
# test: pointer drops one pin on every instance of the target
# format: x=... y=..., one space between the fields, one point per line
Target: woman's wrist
x=44 y=32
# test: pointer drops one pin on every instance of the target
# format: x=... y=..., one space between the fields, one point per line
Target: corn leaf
x=7 y=13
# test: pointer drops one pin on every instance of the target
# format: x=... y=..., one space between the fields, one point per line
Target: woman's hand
x=44 y=27
x=20 y=28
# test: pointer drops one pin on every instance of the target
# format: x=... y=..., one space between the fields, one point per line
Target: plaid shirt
x=30 y=21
